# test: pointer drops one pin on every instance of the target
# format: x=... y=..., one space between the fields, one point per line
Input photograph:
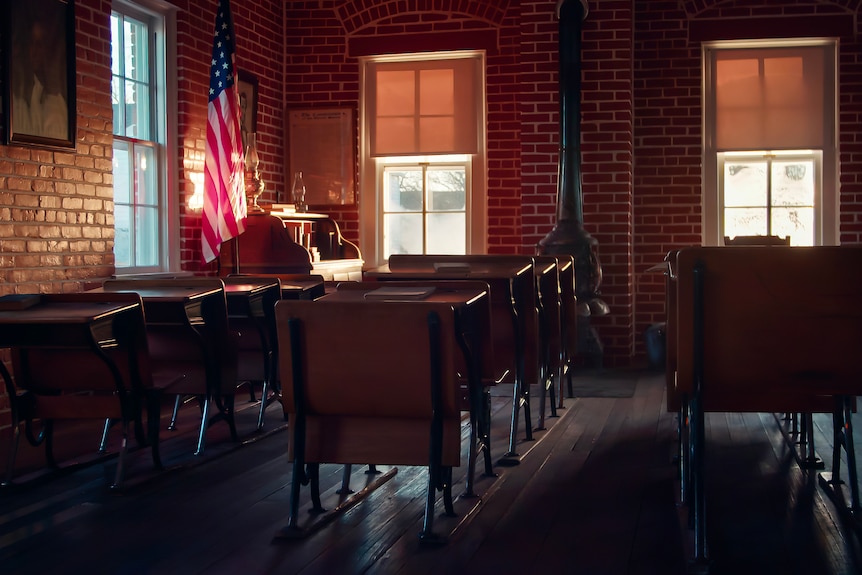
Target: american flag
x=224 y=179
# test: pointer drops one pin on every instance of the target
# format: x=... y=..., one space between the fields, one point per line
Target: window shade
x=770 y=98
x=424 y=107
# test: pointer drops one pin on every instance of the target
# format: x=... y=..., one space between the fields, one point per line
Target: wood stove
x=568 y=235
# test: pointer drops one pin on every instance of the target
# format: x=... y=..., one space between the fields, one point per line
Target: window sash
x=767 y=204
x=141 y=215
x=423 y=224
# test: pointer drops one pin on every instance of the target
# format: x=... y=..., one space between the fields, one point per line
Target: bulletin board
x=321 y=146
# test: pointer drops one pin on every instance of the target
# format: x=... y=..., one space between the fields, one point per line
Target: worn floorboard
x=596 y=492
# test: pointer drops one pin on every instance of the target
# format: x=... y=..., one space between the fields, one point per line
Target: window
x=145 y=225
x=423 y=153
x=425 y=206
x=770 y=194
x=770 y=149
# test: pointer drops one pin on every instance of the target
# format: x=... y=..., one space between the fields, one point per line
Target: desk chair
x=550 y=333
x=252 y=321
x=517 y=349
x=192 y=339
x=381 y=388
x=87 y=379
x=744 y=328
x=569 y=322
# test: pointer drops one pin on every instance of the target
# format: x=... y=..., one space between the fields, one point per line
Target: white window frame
x=161 y=19
x=814 y=156
x=371 y=171
x=423 y=163
x=826 y=188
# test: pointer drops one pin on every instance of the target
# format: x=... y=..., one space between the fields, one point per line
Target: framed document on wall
x=39 y=72
x=321 y=145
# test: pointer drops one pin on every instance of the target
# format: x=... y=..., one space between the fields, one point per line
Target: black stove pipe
x=570 y=200
x=569 y=236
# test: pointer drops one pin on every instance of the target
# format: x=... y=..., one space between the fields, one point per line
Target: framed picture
x=247 y=85
x=321 y=146
x=39 y=73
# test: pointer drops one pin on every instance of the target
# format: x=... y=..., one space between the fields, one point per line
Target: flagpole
x=224 y=205
x=236 y=255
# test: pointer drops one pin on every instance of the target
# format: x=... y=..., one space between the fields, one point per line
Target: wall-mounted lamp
x=195 y=202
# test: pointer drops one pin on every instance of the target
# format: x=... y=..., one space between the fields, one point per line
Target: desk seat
x=766 y=329
x=514 y=316
x=381 y=388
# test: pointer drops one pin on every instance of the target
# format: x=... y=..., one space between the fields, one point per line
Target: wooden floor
x=596 y=493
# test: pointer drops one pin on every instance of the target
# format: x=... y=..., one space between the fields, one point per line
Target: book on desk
x=19 y=301
x=400 y=293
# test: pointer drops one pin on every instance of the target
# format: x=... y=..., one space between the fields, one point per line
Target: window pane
x=122 y=169
x=745 y=184
x=402 y=234
x=115 y=45
x=793 y=183
x=437 y=134
x=396 y=93
x=447 y=233
x=147 y=236
x=745 y=222
x=798 y=223
x=139 y=40
x=146 y=191
x=395 y=135
x=137 y=111
x=119 y=111
x=122 y=236
x=136 y=51
x=447 y=190
x=437 y=92
x=404 y=191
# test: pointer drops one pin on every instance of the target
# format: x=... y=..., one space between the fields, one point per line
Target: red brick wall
x=56 y=222
x=607 y=151
x=259 y=31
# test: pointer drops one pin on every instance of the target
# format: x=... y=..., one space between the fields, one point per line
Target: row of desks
x=532 y=313
x=509 y=347
x=92 y=342
x=506 y=310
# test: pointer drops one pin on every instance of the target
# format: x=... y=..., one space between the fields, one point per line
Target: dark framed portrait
x=247 y=87
x=39 y=73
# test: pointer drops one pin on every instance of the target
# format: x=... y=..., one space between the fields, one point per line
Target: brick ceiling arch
x=357 y=14
x=694 y=8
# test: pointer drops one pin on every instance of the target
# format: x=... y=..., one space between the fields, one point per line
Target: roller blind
x=771 y=98
x=424 y=107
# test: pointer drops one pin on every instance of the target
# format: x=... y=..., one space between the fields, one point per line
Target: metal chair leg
x=173 y=424
x=103 y=443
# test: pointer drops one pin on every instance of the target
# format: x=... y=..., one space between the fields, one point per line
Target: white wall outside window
x=770 y=164
x=143 y=93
